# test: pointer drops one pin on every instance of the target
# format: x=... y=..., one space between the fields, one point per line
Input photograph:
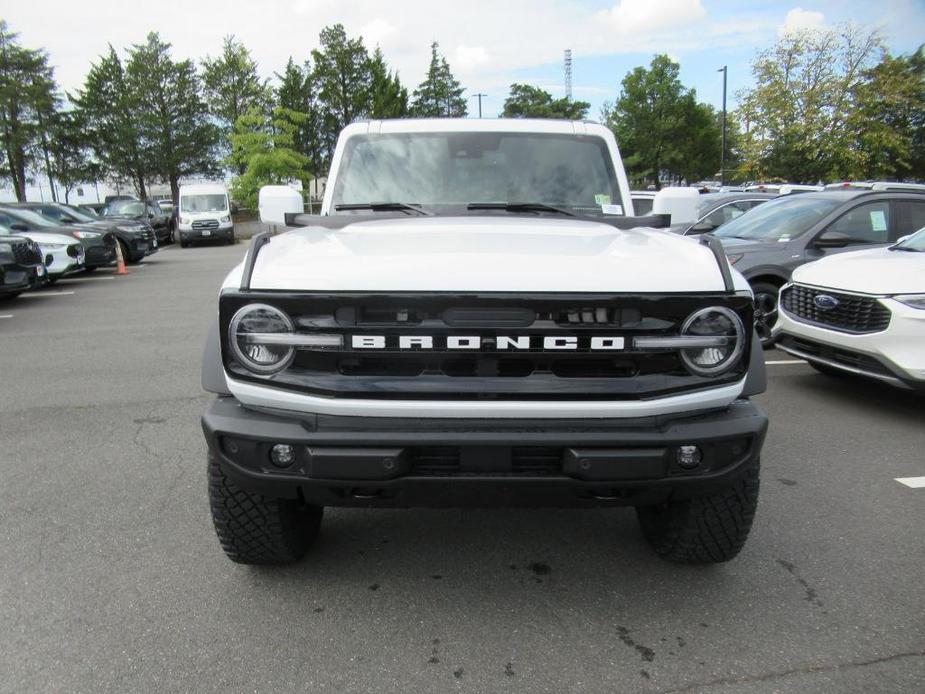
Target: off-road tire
x=255 y=529
x=703 y=530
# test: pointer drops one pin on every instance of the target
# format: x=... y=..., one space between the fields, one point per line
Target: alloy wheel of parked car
x=765 y=311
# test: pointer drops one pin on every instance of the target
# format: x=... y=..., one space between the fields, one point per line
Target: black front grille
x=27 y=253
x=100 y=254
x=852 y=313
x=523 y=461
x=490 y=369
x=202 y=224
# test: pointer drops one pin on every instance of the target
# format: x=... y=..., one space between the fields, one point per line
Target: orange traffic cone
x=120 y=261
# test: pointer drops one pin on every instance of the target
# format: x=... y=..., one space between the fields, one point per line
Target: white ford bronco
x=475 y=319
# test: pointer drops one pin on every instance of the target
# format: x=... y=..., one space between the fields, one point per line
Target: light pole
x=479 y=97
x=722 y=156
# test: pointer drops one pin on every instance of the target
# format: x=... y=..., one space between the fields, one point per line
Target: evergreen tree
x=232 y=86
x=439 y=95
x=69 y=153
x=109 y=107
x=388 y=98
x=28 y=95
x=526 y=101
x=174 y=119
x=341 y=80
x=296 y=93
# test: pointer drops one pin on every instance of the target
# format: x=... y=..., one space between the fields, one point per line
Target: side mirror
x=18 y=226
x=703 y=227
x=832 y=239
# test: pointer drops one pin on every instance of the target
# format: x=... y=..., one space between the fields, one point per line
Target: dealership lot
x=111 y=578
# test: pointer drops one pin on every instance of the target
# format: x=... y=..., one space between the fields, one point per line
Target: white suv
x=861 y=313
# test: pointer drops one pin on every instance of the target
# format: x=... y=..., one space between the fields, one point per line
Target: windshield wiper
x=520 y=207
x=384 y=207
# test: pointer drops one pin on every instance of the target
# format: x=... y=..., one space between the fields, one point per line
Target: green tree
x=264 y=150
x=27 y=95
x=800 y=109
x=440 y=94
x=109 y=107
x=651 y=118
x=232 y=87
x=388 y=98
x=296 y=93
x=698 y=153
x=526 y=101
x=341 y=79
x=173 y=117
x=69 y=153
x=890 y=119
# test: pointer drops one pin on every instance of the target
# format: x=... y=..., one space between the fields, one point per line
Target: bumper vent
x=849 y=313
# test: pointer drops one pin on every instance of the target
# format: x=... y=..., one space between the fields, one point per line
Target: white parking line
x=786 y=361
x=32 y=295
x=914 y=482
x=9 y=315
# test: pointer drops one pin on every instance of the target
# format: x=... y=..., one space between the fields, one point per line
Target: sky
x=488 y=43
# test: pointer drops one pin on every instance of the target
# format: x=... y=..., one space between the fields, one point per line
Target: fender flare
x=213 y=370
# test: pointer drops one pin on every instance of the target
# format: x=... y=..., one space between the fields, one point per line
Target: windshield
x=215 y=202
x=125 y=208
x=779 y=220
x=916 y=242
x=33 y=218
x=455 y=169
x=79 y=215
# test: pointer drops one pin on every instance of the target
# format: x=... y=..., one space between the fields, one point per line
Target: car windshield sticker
x=612 y=209
x=877 y=220
x=602 y=199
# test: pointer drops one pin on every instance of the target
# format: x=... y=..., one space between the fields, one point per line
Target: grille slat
x=853 y=313
x=202 y=224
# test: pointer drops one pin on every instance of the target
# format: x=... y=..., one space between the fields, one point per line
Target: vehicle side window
x=910 y=216
x=642 y=206
x=869 y=223
x=727 y=213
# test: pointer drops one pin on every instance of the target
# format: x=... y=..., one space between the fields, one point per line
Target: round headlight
x=715 y=321
x=247 y=327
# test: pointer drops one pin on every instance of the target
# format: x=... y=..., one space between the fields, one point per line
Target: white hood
x=874 y=271
x=487 y=253
x=46 y=239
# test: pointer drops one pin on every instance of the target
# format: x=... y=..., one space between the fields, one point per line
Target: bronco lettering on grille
x=498 y=342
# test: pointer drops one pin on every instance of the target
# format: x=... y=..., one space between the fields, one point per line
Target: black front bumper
x=99 y=255
x=359 y=461
x=16 y=278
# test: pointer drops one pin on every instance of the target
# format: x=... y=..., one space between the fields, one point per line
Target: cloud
x=648 y=16
x=376 y=31
x=799 y=19
x=469 y=57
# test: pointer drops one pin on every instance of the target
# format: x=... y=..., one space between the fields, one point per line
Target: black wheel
x=254 y=529
x=90 y=269
x=703 y=530
x=52 y=279
x=184 y=244
x=765 y=311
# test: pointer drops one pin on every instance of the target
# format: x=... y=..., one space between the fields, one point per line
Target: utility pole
x=479 y=97
x=568 y=73
x=722 y=158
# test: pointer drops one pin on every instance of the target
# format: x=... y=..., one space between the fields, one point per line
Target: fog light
x=282 y=455
x=689 y=456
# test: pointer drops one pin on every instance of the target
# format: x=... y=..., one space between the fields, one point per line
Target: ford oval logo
x=824 y=302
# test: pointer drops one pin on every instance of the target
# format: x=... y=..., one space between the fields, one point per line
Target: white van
x=204 y=214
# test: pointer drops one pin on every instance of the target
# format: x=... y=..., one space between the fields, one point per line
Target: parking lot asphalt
x=111 y=579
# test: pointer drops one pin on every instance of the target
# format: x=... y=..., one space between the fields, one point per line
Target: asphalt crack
x=806 y=670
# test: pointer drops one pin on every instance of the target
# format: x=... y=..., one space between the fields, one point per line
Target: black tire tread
x=254 y=529
x=703 y=530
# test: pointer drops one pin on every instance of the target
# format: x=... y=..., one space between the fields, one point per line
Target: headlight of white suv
x=246 y=331
x=716 y=322
x=912 y=300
